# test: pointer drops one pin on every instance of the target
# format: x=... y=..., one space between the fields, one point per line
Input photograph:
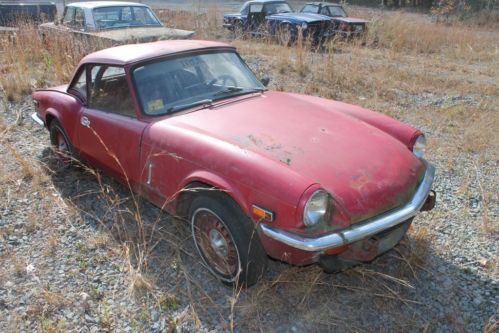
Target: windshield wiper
x=203 y=102
x=229 y=90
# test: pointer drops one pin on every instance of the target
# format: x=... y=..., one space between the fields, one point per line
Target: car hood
x=127 y=35
x=143 y=34
x=350 y=19
x=301 y=17
x=365 y=169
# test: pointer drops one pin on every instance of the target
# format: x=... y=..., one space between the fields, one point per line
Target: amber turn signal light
x=262 y=214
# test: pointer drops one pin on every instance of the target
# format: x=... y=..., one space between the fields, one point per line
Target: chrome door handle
x=84 y=121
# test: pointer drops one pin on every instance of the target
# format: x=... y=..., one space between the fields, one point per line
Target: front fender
x=224 y=184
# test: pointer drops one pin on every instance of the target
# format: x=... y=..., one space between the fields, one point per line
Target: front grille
x=358 y=27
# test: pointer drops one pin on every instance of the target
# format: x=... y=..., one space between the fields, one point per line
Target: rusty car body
x=342 y=24
x=118 y=22
x=257 y=173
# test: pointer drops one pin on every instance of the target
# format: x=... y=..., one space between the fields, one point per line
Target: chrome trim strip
x=149 y=173
x=360 y=230
x=37 y=119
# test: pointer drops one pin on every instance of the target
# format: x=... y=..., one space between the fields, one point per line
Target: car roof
x=324 y=3
x=97 y=4
x=263 y=1
x=132 y=53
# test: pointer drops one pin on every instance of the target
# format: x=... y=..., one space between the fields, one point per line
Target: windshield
x=337 y=11
x=277 y=7
x=124 y=16
x=171 y=85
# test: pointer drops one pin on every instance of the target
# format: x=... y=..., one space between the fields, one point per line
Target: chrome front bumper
x=360 y=230
x=36 y=118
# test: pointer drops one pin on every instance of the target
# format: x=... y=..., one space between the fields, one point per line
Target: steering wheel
x=224 y=79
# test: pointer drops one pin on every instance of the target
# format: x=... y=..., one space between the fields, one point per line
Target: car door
x=325 y=11
x=79 y=20
x=256 y=16
x=109 y=132
x=244 y=15
x=67 y=18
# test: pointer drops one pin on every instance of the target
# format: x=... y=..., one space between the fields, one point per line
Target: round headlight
x=419 y=146
x=316 y=208
x=304 y=25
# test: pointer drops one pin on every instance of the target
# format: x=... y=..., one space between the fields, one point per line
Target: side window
x=68 y=15
x=126 y=14
x=79 y=21
x=325 y=11
x=256 y=8
x=143 y=15
x=79 y=86
x=109 y=90
x=310 y=9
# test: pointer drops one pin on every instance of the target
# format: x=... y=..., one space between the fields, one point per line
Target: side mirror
x=265 y=80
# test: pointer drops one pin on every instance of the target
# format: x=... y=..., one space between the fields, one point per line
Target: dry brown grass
x=206 y=21
x=32 y=59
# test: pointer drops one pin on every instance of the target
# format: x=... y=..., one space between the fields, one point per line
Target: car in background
x=114 y=21
x=277 y=19
x=256 y=173
x=343 y=25
x=35 y=11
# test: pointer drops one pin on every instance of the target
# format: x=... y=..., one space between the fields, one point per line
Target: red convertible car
x=256 y=173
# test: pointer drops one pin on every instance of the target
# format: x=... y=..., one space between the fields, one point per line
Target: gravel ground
x=75 y=257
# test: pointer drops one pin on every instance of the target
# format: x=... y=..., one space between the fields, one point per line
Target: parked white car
x=119 y=22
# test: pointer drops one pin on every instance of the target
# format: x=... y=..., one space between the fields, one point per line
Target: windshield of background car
x=337 y=11
x=124 y=16
x=174 y=84
x=277 y=7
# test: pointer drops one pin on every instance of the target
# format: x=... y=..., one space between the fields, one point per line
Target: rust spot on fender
x=270 y=145
x=360 y=181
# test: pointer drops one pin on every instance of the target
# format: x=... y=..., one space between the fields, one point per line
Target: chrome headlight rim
x=419 y=147
x=317 y=208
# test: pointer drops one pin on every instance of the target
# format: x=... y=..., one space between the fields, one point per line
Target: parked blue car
x=277 y=19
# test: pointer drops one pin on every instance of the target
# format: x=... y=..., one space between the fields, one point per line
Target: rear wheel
x=60 y=145
x=226 y=240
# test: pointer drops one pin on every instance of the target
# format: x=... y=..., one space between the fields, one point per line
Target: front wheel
x=226 y=240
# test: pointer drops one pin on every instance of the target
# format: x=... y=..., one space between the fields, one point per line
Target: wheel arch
x=197 y=182
x=50 y=115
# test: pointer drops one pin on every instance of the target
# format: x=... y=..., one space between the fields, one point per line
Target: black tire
x=226 y=240
x=61 y=145
x=286 y=34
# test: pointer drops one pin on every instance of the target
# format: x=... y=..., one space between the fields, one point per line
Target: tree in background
x=446 y=7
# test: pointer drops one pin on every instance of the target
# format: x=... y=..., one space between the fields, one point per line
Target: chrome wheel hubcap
x=218 y=243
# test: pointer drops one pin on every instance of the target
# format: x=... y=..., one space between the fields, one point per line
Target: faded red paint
x=271 y=149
